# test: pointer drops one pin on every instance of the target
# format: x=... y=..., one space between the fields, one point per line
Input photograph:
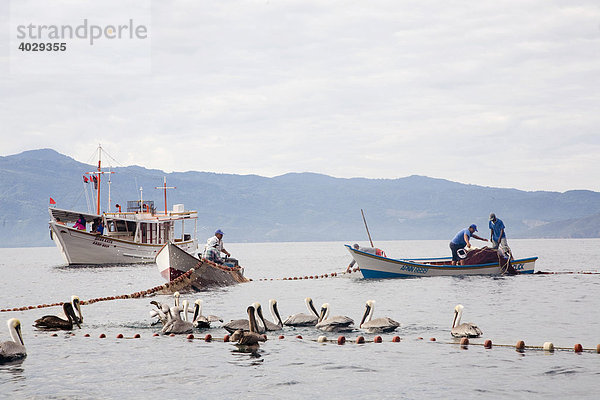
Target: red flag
x=52 y=201
x=85 y=179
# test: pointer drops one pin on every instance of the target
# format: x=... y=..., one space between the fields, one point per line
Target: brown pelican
x=336 y=323
x=270 y=326
x=377 y=325
x=243 y=324
x=467 y=329
x=77 y=307
x=162 y=312
x=201 y=321
x=302 y=319
x=251 y=337
x=14 y=349
x=52 y=322
x=175 y=324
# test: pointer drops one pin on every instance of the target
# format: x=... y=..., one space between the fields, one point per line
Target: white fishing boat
x=132 y=236
x=374 y=266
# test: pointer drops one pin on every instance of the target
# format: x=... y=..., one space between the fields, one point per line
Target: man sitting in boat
x=80 y=224
x=461 y=240
x=370 y=250
x=214 y=248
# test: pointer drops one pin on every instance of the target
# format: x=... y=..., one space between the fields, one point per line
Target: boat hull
x=172 y=262
x=79 y=247
x=377 y=267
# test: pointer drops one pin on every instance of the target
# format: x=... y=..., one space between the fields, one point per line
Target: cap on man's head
x=356 y=246
x=218 y=231
x=474 y=227
x=492 y=216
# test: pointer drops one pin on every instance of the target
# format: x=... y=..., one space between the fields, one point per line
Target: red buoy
x=190 y=336
x=341 y=340
x=578 y=348
x=281 y=336
x=360 y=340
x=299 y=337
x=86 y=335
x=226 y=338
x=54 y=334
x=102 y=336
x=172 y=334
x=464 y=341
x=208 y=337
x=120 y=336
x=156 y=334
x=520 y=345
x=432 y=339
x=136 y=336
x=396 y=339
x=487 y=344
x=598 y=348
x=377 y=339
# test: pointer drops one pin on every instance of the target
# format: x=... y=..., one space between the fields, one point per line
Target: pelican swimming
x=251 y=337
x=243 y=324
x=77 y=307
x=175 y=323
x=14 y=349
x=466 y=329
x=270 y=326
x=201 y=321
x=53 y=322
x=338 y=323
x=302 y=319
x=377 y=325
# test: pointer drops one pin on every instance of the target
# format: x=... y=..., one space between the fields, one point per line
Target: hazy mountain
x=290 y=207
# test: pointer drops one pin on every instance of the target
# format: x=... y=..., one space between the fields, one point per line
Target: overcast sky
x=494 y=93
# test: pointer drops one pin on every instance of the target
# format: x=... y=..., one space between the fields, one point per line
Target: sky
x=492 y=93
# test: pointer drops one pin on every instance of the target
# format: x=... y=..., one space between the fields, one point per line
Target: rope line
x=175 y=282
x=134 y=295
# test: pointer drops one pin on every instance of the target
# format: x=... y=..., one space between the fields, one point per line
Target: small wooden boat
x=173 y=262
x=376 y=267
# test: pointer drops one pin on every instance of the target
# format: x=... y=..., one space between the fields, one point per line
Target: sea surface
x=561 y=308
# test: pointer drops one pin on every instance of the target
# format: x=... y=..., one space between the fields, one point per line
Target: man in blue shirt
x=461 y=240
x=497 y=234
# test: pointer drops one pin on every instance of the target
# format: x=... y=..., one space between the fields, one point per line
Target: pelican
x=162 y=312
x=175 y=323
x=336 y=323
x=467 y=329
x=302 y=319
x=14 y=349
x=270 y=326
x=201 y=321
x=243 y=324
x=52 y=322
x=77 y=307
x=251 y=337
x=377 y=325
x=176 y=296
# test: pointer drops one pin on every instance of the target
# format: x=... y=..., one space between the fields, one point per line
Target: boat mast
x=165 y=187
x=98 y=174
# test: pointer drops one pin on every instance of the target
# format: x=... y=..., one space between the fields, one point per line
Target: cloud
x=494 y=93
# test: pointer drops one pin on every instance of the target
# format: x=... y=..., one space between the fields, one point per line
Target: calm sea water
x=564 y=309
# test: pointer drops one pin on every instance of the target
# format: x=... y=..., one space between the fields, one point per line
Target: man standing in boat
x=497 y=234
x=461 y=240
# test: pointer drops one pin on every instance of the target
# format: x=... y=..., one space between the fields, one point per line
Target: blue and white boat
x=377 y=267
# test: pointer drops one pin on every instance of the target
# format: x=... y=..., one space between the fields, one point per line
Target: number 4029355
x=24 y=46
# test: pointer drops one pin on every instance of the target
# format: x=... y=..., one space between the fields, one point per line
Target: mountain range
x=290 y=207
